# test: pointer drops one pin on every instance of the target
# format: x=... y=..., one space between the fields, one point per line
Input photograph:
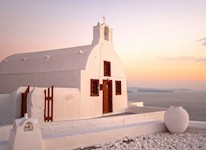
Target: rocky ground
x=159 y=141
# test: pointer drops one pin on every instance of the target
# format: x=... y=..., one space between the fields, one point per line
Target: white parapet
x=104 y=135
x=135 y=104
x=25 y=135
x=197 y=126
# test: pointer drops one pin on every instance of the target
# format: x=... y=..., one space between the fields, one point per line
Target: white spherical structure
x=176 y=119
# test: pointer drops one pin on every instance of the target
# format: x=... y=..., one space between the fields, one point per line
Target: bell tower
x=102 y=33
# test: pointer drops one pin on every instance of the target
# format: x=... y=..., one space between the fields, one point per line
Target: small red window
x=107 y=68
x=118 y=87
x=94 y=87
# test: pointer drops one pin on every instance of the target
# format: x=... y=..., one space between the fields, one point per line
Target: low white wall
x=135 y=104
x=17 y=98
x=5 y=132
x=64 y=128
x=103 y=135
x=4 y=146
x=197 y=126
x=104 y=131
x=6 y=108
x=145 y=109
x=10 y=106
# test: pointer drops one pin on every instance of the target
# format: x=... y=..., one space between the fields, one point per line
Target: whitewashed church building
x=88 y=81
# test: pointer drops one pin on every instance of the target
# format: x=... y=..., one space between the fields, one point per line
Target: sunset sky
x=161 y=43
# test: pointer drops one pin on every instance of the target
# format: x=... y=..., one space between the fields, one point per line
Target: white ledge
x=197 y=126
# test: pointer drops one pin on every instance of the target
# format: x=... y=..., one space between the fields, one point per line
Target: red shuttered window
x=118 y=87
x=107 y=68
x=94 y=87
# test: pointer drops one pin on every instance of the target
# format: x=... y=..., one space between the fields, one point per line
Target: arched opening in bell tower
x=106 y=33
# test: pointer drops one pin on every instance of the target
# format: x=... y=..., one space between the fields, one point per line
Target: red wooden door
x=24 y=102
x=107 y=96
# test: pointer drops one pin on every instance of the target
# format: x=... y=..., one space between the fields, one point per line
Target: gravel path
x=159 y=141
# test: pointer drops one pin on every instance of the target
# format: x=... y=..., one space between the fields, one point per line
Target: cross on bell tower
x=104 y=18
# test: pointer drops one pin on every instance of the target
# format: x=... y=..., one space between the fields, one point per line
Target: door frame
x=110 y=107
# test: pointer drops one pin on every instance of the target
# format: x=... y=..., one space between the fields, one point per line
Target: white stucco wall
x=66 y=104
x=35 y=103
x=92 y=105
x=25 y=134
x=6 y=108
x=10 y=106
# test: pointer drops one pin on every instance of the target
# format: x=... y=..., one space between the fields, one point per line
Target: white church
x=87 y=81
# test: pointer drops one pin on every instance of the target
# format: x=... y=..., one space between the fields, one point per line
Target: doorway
x=107 y=96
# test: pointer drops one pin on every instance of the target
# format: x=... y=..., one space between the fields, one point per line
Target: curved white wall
x=93 y=105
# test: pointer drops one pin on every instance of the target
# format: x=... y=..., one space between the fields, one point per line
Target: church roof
x=46 y=61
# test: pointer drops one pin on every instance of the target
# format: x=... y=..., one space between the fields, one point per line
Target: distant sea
x=194 y=102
